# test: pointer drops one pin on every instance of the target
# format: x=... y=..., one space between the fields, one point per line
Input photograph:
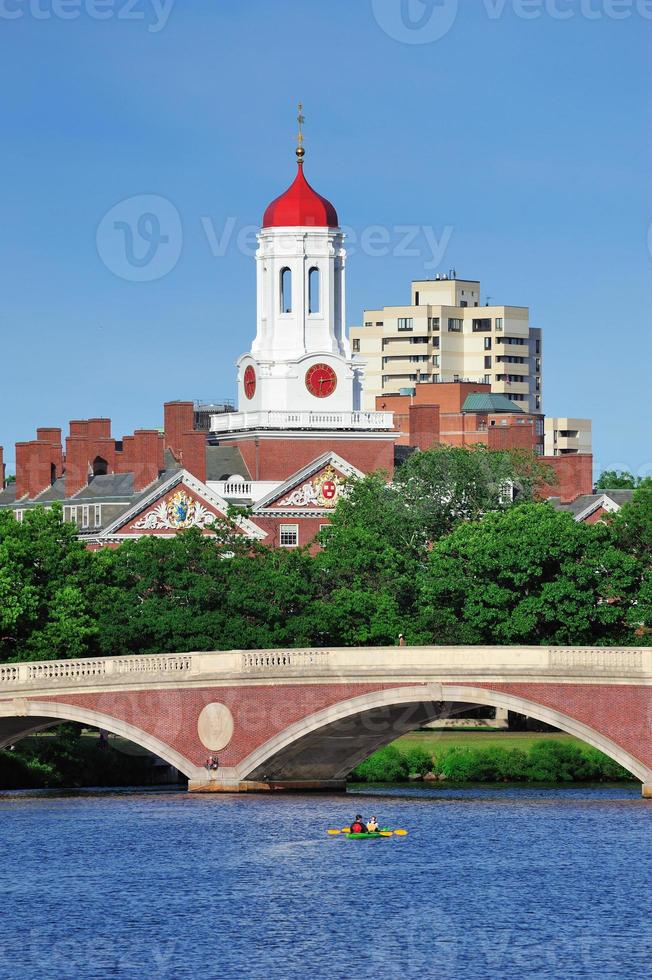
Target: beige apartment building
x=446 y=335
x=567 y=437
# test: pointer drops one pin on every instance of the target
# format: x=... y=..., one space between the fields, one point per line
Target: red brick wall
x=193 y=454
x=278 y=459
x=147 y=451
x=512 y=436
x=309 y=528
x=450 y=396
x=574 y=477
x=621 y=713
x=423 y=426
x=179 y=418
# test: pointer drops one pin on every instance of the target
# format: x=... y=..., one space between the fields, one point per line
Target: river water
x=494 y=883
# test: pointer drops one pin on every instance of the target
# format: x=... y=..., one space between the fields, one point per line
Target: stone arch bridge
x=302 y=719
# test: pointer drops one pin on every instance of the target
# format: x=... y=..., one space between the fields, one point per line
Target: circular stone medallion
x=215 y=726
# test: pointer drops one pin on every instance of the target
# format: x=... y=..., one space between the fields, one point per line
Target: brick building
x=299 y=430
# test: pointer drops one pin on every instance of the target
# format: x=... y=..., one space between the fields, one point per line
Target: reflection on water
x=490 y=882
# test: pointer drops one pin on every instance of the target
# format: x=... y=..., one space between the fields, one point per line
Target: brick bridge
x=302 y=719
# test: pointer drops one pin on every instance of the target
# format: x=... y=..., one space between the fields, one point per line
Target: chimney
x=23 y=468
x=179 y=418
x=145 y=457
x=76 y=463
x=193 y=454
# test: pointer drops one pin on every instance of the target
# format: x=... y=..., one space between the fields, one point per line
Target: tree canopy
x=454 y=550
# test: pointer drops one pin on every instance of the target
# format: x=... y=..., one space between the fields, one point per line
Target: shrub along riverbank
x=546 y=761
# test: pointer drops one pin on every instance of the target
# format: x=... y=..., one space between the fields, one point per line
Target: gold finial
x=301 y=120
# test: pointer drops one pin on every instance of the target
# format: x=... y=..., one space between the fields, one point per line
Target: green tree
x=616 y=480
x=44 y=576
x=632 y=529
x=531 y=575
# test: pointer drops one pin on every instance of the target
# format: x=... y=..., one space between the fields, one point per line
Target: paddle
x=383 y=833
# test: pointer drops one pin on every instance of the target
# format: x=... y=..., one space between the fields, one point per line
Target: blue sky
x=528 y=136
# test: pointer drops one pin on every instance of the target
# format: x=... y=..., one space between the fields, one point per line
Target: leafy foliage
x=441 y=555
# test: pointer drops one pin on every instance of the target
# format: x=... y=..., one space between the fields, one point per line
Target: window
x=537 y=365
x=487 y=343
x=100 y=466
x=487 y=379
x=98 y=515
x=482 y=325
x=499 y=323
x=286 y=290
x=369 y=324
x=537 y=384
x=416 y=299
x=85 y=515
x=418 y=340
x=418 y=358
x=538 y=346
x=356 y=346
x=538 y=402
x=404 y=323
x=379 y=323
x=314 y=290
x=289 y=535
x=72 y=514
x=487 y=361
x=435 y=343
x=435 y=361
x=464 y=303
x=19 y=514
x=433 y=323
x=454 y=324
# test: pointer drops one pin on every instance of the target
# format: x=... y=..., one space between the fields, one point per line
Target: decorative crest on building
x=181 y=511
x=322 y=491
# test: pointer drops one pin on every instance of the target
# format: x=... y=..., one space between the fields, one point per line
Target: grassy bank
x=478 y=757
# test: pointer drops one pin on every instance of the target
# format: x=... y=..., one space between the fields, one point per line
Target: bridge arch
x=33 y=716
x=336 y=739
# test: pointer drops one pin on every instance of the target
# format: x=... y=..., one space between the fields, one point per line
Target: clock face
x=249 y=382
x=321 y=380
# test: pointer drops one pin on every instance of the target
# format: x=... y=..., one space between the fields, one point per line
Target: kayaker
x=358 y=827
x=372 y=826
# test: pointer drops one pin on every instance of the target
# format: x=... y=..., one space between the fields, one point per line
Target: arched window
x=286 y=290
x=53 y=474
x=314 y=291
x=100 y=466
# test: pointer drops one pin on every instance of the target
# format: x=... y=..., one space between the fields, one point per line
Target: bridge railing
x=292 y=659
x=71 y=670
x=393 y=662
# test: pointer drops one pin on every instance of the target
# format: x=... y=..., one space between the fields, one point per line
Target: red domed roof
x=300 y=206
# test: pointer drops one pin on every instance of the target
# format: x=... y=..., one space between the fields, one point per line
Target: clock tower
x=300 y=359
